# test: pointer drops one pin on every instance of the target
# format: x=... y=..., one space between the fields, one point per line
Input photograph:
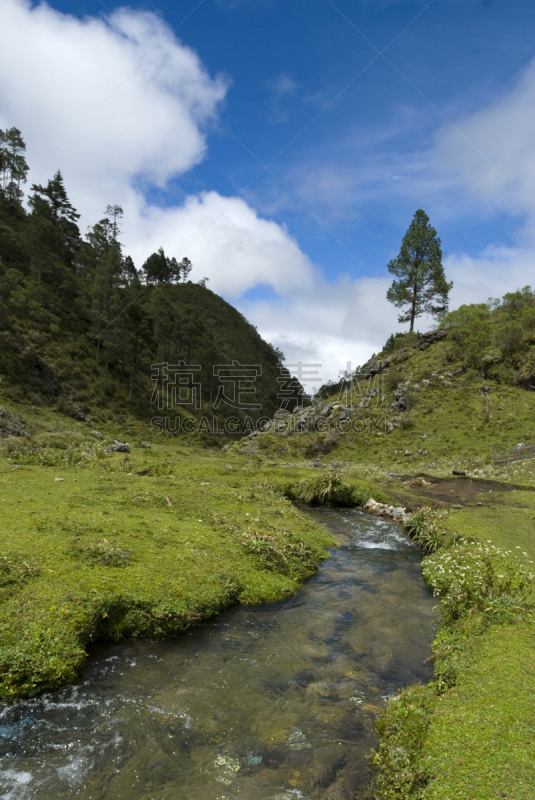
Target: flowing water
x=276 y=702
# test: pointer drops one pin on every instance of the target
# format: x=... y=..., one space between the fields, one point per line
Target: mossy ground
x=96 y=549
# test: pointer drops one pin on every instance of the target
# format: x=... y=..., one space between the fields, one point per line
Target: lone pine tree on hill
x=422 y=285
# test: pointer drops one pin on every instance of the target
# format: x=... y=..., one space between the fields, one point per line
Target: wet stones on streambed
x=397 y=513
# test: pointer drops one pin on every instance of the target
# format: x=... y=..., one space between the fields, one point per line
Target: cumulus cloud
x=120 y=104
x=329 y=323
x=108 y=99
x=227 y=242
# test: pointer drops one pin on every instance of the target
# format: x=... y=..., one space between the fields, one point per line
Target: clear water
x=274 y=702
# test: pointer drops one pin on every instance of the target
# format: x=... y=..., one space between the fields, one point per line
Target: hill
x=84 y=331
x=438 y=400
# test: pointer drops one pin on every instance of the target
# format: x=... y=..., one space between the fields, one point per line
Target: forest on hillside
x=82 y=324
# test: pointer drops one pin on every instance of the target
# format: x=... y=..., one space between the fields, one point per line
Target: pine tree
x=61 y=212
x=13 y=166
x=422 y=285
x=185 y=268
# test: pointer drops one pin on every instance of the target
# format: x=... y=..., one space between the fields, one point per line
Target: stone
x=11 y=425
x=118 y=447
x=485 y=389
x=326 y=410
x=408 y=452
x=281 y=413
x=96 y=434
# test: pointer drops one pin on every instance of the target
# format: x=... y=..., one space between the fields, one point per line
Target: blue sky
x=284 y=145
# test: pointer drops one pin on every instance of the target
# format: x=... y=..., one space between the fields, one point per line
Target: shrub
x=426 y=528
x=403 y=729
x=469 y=331
x=391 y=381
x=325 y=489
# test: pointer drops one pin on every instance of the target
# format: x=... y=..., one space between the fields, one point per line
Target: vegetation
x=421 y=284
x=117 y=546
x=81 y=326
x=96 y=544
x=463 y=735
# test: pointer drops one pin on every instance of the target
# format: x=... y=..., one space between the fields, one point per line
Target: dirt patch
x=454 y=491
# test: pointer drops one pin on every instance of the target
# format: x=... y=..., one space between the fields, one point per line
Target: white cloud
x=227 y=242
x=329 y=323
x=492 y=151
x=106 y=100
x=282 y=90
x=119 y=103
x=501 y=134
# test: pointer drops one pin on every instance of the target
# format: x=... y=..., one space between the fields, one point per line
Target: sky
x=285 y=145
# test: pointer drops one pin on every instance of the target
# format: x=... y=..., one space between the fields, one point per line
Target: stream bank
x=276 y=702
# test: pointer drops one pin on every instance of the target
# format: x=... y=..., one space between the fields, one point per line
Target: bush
x=510 y=338
x=403 y=729
x=426 y=528
x=325 y=489
x=469 y=332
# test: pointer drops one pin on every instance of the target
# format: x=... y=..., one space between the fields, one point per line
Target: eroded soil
x=457 y=492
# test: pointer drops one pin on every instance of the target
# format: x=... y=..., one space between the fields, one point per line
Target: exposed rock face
x=427 y=339
x=11 y=425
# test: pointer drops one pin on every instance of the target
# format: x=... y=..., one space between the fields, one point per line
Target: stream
x=275 y=702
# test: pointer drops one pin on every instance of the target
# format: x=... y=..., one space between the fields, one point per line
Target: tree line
x=55 y=280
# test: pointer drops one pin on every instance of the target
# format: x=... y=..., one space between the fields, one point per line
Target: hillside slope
x=440 y=400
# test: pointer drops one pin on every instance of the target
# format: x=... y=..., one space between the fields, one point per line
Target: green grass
x=470 y=734
x=507 y=519
x=108 y=554
x=113 y=554
x=481 y=737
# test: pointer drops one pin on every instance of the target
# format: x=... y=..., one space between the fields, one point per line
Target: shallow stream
x=274 y=702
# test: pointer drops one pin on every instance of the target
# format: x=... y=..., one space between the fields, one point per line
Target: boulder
x=119 y=447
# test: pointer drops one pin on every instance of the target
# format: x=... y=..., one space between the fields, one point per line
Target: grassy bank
x=97 y=545
x=469 y=735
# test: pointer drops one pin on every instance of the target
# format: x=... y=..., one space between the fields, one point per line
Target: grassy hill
x=436 y=401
